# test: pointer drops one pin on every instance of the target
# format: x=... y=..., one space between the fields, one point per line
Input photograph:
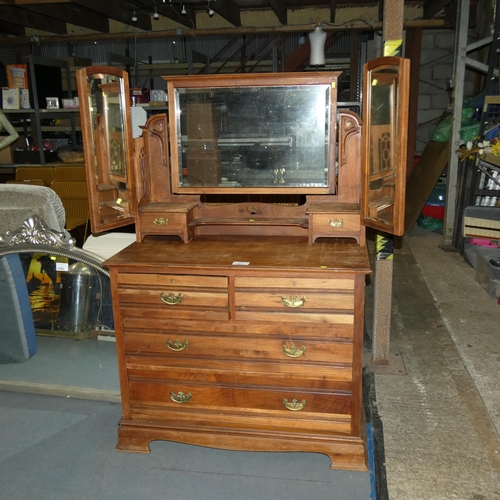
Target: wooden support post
x=393 y=41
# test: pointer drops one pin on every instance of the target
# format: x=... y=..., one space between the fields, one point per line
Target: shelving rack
x=37 y=114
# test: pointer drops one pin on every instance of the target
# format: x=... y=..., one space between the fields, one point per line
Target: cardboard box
x=17 y=75
x=10 y=98
x=7 y=154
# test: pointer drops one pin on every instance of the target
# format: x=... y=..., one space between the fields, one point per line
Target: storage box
x=10 y=98
x=488 y=270
x=482 y=222
x=7 y=154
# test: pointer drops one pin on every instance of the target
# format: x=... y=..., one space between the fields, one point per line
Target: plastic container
x=488 y=270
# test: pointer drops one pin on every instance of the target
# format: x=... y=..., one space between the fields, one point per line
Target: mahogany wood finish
x=219 y=367
x=250 y=337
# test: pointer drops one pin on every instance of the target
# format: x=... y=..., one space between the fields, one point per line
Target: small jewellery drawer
x=334 y=223
x=263 y=349
x=178 y=296
x=190 y=395
x=295 y=300
x=162 y=222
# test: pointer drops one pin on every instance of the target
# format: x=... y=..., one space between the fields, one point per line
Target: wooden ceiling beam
x=23 y=17
x=11 y=29
x=228 y=10
x=74 y=14
x=279 y=8
x=333 y=9
x=432 y=7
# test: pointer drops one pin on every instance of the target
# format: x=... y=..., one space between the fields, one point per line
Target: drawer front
x=178 y=280
x=287 y=351
x=286 y=401
x=336 y=223
x=244 y=372
x=159 y=322
x=162 y=222
x=297 y=284
x=299 y=300
x=174 y=296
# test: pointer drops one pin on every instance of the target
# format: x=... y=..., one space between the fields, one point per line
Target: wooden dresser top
x=230 y=252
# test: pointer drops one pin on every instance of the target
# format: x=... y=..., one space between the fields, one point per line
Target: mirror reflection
x=108 y=115
x=383 y=144
x=253 y=136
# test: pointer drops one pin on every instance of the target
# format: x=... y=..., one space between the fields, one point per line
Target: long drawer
x=245 y=372
x=192 y=395
x=190 y=345
x=153 y=321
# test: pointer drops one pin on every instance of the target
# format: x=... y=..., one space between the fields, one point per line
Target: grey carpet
x=63 y=448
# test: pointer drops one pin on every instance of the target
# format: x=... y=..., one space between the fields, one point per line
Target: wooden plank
x=422 y=180
x=279 y=8
x=412 y=52
x=433 y=7
x=23 y=17
x=74 y=14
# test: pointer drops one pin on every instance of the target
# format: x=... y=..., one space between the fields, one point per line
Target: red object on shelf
x=436 y=211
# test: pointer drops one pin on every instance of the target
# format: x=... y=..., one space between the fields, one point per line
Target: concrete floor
x=442 y=419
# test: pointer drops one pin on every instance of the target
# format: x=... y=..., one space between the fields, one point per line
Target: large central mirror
x=243 y=138
x=107 y=144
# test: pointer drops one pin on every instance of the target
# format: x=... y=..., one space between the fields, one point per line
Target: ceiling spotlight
x=156 y=15
x=183 y=11
x=134 y=17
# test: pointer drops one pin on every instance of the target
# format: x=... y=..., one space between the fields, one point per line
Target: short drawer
x=334 y=223
x=173 y=296
x=161 y=222
x=288 y=300
x=293 y=352
x=178 y=280
x=224 y=397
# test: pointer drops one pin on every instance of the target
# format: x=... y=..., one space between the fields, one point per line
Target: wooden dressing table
x=239 y=310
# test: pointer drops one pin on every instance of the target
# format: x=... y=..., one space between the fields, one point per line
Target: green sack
x=429 y=223
x=469 y=127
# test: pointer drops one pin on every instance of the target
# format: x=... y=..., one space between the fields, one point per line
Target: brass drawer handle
x=294 y=351
x=171 y=299
x=177 y=346
x=160 y=221
x=180 y=397
x=293 y=302
x=336 y=222
x=294 y=405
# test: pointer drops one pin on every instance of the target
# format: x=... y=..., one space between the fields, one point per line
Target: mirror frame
x=399 y=111
x=261 y=80
x=89 y=139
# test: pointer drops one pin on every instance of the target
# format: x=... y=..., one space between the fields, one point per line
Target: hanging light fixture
x=183 y=11
x=209 y=9
x=156 y=15
x=317 y=39
x=134 y=16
